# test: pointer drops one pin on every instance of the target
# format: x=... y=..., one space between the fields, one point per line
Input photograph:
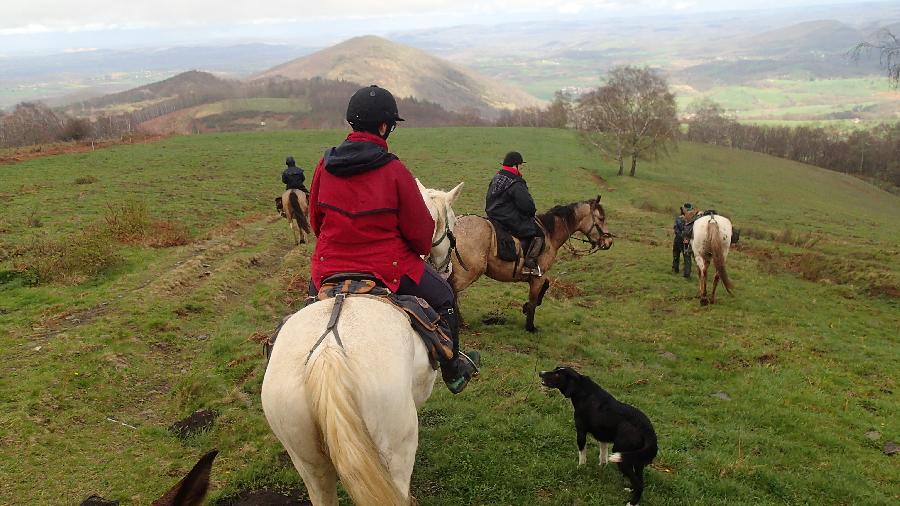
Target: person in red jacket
x=369 y=217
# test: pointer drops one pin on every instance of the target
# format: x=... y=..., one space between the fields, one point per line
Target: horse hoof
x=531 y=328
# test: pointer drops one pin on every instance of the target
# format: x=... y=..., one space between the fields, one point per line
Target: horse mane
x=564 y=212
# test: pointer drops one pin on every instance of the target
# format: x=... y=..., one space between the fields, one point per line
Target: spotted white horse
x=710 y=243
x=348 y=407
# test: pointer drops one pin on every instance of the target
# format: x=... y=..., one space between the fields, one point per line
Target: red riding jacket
x=367 y=212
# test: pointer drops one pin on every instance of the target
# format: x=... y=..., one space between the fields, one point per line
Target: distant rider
x=369 y=216
x=680 y=245
x=293 y=177
x=509 y=203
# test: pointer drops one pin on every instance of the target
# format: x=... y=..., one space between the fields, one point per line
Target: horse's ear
x=453 y=194
x=191 y=490
x=420 y=185
x=598 y=198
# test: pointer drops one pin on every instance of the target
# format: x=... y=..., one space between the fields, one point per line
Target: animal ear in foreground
x=453 y=194
x=191 y=490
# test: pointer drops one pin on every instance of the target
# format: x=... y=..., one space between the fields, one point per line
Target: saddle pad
x=434 y=331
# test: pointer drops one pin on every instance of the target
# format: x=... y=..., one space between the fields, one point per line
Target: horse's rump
x=353 y=403
x=294 y=204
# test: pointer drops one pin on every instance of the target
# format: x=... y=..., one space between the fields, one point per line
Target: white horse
x=440 y=205
x=712 y=238
x=349 y=409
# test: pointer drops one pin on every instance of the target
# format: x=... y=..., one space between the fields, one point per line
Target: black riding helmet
x=371 y=106
x=289 y=161
x=513 y=159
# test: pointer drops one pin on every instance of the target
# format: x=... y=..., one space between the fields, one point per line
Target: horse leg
x=401 y=444
x=712 y=296
x=293 y=232
x=701 y=278
x=320 y=479
x=300 y=236
x=537 y=288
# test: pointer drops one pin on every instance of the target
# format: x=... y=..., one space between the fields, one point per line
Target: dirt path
x=16 y=155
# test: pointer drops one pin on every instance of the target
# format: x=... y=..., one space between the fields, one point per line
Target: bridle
x=595 y=245
x=444 y=266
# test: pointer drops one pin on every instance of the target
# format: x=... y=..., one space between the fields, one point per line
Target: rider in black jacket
x=293 y=177
x=509 y=203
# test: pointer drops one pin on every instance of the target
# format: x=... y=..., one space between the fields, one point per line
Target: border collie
x=609 y=421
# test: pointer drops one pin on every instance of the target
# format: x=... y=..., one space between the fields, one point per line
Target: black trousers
x=677 y=249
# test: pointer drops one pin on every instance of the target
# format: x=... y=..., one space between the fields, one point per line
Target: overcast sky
x=32 y=25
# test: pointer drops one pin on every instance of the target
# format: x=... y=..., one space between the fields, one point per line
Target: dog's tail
x=643 y=456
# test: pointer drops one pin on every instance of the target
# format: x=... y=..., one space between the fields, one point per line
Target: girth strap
x=332 y=325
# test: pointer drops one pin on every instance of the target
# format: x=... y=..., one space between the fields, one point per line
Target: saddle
x=509 y=247
x=424 y=319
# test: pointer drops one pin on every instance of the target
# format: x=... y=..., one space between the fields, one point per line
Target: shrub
x=86 y=180
x=76 y=130
x=128 y=223
x=165 y=234
x=71 y=260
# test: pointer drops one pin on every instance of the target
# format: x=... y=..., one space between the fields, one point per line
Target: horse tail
x=348 y=443
x=718 y=252
x=297 y=211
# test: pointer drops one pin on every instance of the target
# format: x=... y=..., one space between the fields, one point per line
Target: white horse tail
x=718 y=252
x=329 y=381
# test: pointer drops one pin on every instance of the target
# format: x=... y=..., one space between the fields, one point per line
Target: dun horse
x=477 y=249
x=712 y=238
x=294 y=205
x=349 y=408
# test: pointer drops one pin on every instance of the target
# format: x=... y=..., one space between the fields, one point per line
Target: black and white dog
x=609 y=421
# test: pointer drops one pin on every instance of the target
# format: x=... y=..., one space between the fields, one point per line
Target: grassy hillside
x=806 y=350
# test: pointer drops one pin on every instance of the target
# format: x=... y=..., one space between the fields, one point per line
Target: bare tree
x=888 y=47
x=634 y=115
x=708 y=122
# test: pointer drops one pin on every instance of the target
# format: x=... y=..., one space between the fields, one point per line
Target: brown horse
x=477 y=248
x=293 y=205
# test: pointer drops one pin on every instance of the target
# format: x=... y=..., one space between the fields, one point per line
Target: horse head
x=593 y=225
x=440 y=205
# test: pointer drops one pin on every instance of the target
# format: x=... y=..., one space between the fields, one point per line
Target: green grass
x=254 y=104
x=780 y=99
x=806 y=349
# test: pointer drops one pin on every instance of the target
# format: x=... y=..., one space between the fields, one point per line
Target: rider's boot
x=675 y=266
x=463 y=366
x=531 y=267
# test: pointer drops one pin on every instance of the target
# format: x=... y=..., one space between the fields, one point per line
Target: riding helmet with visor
x=371 y=106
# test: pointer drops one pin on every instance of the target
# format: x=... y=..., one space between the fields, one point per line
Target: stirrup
x=536 y=272
x=475 y=363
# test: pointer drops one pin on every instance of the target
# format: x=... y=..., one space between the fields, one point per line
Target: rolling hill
x=97 y=371
x=406 y=72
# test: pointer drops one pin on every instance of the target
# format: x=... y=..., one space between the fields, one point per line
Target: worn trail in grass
x=806 y=350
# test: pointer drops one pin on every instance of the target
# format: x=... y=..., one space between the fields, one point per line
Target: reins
x=595 y=246
x=444 y=265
